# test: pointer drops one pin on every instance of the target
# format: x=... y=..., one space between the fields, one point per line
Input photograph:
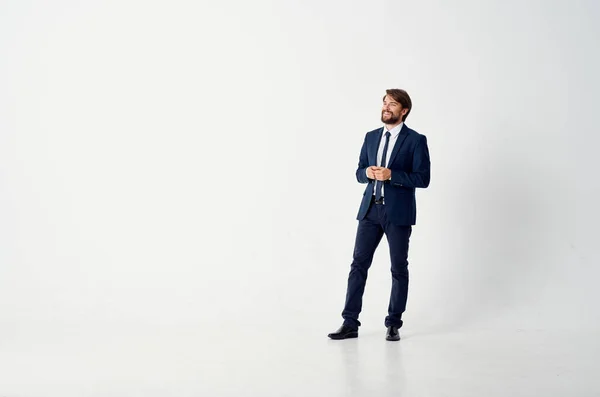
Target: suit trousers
x=370 y=231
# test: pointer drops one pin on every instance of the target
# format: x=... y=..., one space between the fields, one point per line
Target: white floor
x=298 y=361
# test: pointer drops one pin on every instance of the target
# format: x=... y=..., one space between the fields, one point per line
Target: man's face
x=391 y=112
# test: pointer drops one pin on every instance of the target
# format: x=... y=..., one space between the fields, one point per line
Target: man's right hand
x=370 y=170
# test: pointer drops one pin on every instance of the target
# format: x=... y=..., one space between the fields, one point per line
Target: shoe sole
x=347 y=336
x=392 y=339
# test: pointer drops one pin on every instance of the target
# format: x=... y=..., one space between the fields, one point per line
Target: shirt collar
x=394 y=131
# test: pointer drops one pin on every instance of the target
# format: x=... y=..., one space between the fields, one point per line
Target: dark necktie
x=379 y=184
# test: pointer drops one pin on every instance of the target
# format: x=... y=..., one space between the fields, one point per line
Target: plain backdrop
x=174 y=168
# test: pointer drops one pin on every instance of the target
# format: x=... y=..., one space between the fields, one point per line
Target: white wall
x=161 y=161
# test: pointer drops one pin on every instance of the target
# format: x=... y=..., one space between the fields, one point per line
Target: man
x=394 y=160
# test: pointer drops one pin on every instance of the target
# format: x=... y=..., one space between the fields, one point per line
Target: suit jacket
x=410 y=165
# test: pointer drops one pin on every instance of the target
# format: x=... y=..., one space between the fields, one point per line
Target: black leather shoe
x=344 y=332
x=392 y=334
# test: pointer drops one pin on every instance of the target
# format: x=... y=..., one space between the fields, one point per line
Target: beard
x=391 y=119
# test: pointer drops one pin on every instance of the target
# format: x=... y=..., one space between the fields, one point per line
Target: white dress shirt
x=394 y=132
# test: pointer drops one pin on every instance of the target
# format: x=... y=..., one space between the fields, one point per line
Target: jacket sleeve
x=420 y=174
x=363 y=164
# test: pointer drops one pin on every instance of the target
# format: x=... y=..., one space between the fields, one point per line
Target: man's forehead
x=389 y=99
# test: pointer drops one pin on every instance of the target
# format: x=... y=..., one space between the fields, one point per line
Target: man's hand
x=371 y=171
x=382 y=174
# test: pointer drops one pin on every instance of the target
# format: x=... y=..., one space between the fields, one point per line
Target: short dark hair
x=401 y=97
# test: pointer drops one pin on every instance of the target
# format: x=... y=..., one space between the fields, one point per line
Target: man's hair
x=401 y=97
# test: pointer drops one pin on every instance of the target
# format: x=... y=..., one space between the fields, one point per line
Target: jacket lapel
x=373 y=148
x=401 y=137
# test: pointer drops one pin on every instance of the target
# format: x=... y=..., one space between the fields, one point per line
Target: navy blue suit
x=410 y=165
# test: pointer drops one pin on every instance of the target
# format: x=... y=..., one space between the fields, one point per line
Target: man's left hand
x=383 y=174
